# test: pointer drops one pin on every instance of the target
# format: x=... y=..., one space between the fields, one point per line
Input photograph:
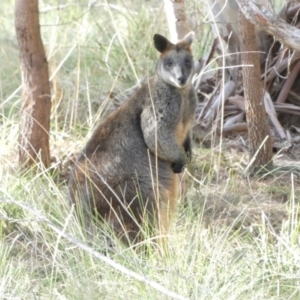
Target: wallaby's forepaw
x=178 y=167
x=188 y=148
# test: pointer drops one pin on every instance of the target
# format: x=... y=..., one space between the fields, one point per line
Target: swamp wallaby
x=127 y=173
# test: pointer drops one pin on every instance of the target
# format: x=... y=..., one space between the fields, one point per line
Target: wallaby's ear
x=161 y=43
x=187 y=40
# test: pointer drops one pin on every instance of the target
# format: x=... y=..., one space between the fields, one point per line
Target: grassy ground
x=233 y=238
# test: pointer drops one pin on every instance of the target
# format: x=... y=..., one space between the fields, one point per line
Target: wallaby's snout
x=182 y=80
x=183 y=76
x=180 y=75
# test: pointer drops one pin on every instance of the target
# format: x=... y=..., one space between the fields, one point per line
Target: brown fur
x=127 y=172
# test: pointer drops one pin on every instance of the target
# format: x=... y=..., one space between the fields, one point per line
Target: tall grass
x=233 y=237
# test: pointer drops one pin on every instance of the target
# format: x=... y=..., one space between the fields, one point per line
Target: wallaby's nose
x=181 y=80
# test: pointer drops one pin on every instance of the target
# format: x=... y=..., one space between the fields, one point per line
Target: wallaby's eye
x=169 y=63
x=188 y=62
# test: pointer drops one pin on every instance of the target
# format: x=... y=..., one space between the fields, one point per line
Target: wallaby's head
x=176 y=65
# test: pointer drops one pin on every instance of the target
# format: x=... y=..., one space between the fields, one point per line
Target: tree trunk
x=176 y=16
x=258 y=128
x=36 y=99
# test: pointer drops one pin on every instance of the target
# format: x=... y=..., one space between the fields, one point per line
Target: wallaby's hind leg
x=167 y=208
x=126 y=225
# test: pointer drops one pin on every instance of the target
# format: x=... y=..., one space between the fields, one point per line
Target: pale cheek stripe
x=167 y=76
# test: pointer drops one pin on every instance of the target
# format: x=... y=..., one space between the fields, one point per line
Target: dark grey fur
x=139 y=148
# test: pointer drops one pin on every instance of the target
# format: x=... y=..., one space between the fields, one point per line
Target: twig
x=238 y=127
x=281 y=66
x=208 y=104
x=288 y=83
x=287 y=111
x=228 y=90
x=255 y=155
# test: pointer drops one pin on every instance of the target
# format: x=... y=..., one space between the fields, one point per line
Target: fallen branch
x=266 y=20
x=238 y=101
x=270 y=110
x=288 y=83
x=216 y=106
x=238 y=127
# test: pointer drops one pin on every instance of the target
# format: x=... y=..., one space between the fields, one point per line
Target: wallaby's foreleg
x=187 y=146
x=159 y=136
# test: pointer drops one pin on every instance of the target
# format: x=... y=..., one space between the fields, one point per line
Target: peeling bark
x=36 y=99
x=267 y=20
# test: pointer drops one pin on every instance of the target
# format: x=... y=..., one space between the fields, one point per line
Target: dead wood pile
x=221 y=106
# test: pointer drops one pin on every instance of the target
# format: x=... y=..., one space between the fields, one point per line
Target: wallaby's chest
x=174 y=108
x=174 y=104
x=187 y=107
x=186 y=116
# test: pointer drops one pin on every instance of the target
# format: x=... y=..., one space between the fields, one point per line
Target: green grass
x=232 y=238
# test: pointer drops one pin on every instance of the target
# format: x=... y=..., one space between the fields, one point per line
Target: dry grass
x=234 y=237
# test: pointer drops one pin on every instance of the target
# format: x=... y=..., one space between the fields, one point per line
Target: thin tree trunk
x=36 y=99
x=258 y=128
x=176 y=16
